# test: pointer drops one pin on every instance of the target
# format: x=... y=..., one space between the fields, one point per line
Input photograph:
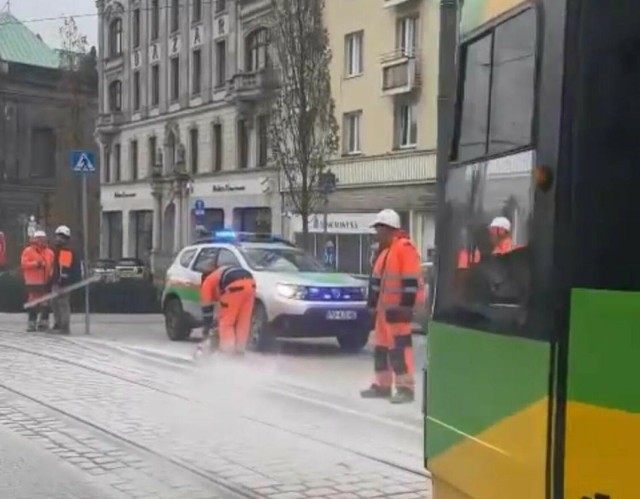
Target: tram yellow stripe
x=602 y=452
x=474 y=469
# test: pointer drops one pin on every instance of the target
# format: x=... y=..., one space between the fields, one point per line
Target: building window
x=175 y=15
x=252 y=219
x=193 y=148
x=175 y=78
x=142 y=231
x=107 y=166
x=136 y=28
x=115 y=37
x=134 y=159
x=263 y=140
x=243 y=144
x=155 y=19
x=197 y=11
x=221 y=6
x=257 y=50
x=406 y=125
x=136 y=90
x=407 y=36
x=196 y=76
x=497 y=90
x=152 y=144
x=115 y=96
x=217 y=147
x=351 y=132
x=221 y=63
x=117 y=167
x=353 y=53
x=155 y=84
x=113 y=228
x=43 y=153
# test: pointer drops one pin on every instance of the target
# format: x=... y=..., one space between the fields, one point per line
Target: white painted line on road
x=470 y=437
x=346 y=410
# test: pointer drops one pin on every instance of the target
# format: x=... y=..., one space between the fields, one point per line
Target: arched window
x=257 y=50
x=115 y=37
x=115 y=95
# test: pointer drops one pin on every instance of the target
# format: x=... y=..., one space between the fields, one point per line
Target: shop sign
x=337 y=223
x=123 y=194
x=226 y=187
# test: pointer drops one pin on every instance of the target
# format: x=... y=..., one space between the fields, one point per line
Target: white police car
x=297 y=297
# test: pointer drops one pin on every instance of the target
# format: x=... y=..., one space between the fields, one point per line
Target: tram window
x=484 y=280
x=512 y=83
x=496 y=95
x=474 y=113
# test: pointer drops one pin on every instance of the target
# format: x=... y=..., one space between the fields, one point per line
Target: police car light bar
x=231 y=236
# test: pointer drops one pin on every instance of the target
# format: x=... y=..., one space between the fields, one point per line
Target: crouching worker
x=234 y=289
x=37 y=265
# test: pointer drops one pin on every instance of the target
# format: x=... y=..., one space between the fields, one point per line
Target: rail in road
x=407 y=479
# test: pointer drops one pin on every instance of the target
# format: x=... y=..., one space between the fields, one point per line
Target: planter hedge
x=127 y=296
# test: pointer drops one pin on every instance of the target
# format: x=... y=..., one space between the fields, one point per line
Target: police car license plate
x=341 y=315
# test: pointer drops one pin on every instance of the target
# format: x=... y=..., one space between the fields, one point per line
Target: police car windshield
x=281 y=260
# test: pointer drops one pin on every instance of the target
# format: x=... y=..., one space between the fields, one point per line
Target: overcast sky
x=31 y=12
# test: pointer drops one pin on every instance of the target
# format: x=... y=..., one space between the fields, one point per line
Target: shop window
x=252 y=219
x=484 y=273
x=142 y=225
x=213 y=219
x=113 y=228
x=348 y=253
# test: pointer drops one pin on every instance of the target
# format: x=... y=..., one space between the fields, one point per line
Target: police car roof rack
x=244 y=237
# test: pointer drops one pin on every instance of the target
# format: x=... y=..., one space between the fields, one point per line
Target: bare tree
x=77 y=65
x=303 y=128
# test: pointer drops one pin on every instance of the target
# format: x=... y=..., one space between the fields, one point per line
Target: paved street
x=133 y=412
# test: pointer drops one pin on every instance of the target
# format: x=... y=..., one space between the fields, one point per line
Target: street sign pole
x=85 y=244
x=83 y=163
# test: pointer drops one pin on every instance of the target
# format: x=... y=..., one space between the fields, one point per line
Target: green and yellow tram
x=533 y=377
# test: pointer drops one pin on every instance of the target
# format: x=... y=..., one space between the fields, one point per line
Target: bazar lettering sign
x=123 y=194
x=337 y=223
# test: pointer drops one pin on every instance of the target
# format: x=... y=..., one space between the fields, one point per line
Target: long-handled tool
x=62 y=291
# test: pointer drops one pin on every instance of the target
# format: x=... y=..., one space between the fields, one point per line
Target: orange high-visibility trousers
x=234 y=314
x=393 y=354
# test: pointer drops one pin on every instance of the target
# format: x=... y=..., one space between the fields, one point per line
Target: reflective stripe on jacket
x=397 y=284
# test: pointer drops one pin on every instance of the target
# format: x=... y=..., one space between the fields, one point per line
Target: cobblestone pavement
x=147 y=431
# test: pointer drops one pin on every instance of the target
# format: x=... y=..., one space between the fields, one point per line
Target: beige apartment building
x=384 y=82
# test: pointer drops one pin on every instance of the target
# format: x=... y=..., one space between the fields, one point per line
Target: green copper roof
x=19 y=44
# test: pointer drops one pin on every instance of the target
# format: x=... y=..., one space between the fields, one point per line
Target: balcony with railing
x=249 y=86
x=110 y=121
x=400 y=71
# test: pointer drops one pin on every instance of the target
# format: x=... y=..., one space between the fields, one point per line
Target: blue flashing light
x=225 y=235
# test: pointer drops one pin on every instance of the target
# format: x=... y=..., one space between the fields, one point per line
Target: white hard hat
x=63 y=230
x=39 y=233
x=387 y=217
x=501 y=223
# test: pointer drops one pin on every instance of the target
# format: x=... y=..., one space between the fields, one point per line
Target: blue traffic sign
x=83 y=161
x=198 y=208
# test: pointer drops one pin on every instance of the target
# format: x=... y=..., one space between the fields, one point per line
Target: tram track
x=203 y=474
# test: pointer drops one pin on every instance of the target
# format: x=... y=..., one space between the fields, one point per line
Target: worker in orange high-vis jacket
x=396 y=290
x=37 y=267
x=67 y=270
x=234 y=289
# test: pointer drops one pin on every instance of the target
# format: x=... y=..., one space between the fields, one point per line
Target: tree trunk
x=306 y=243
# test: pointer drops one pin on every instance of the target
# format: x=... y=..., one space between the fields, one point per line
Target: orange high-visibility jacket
x=37 y=265
x=214 y=287
x=397 y=284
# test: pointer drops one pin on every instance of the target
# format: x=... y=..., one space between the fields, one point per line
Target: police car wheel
x=260 y=338
x=353 y=342
x=174 y=320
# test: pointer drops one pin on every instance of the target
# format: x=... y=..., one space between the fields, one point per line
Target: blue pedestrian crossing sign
x=83 y=162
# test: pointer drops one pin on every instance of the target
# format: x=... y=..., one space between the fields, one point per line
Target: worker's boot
x=403 y=396
x=376 y=392
x=43 y=326
x=31 y=326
